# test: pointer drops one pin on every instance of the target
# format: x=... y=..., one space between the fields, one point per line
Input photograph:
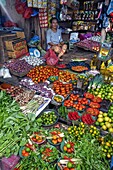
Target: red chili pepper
x=70 y=116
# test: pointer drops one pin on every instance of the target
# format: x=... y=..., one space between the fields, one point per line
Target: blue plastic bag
x=110 y=8
x=111 y=166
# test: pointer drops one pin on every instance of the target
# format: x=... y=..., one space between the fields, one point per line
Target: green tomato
x=27 y=149
x=69 y=165
x=68 y=145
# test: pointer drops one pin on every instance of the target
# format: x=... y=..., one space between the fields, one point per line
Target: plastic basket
x=10 y=163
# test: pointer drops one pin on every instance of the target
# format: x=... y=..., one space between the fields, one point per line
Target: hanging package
x=27 y=13
x=20 y=7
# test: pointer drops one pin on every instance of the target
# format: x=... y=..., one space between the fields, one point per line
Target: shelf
x=83 y=31
x=78 y=20
x=84 y=20
x=66 y=21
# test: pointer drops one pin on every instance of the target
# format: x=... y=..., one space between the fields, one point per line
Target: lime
x=102 y=123
x=108 y=155
x=94 y=132
x=106 y=147
x=104 y=114
x=97 y=123
x=91 y=131
x=69 y=165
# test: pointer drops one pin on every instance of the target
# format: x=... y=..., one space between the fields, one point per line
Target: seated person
x=54 y=39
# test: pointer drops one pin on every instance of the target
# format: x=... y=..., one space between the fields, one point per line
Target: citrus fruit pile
x=94 y=131
x=105 y=121
x=107 y=145
x=104 y=92
x=77 y=132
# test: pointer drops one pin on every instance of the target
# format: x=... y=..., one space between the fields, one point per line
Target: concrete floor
x=76 y=53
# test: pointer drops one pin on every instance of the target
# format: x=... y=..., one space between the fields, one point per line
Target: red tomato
x=69 y=150
x=88 y=95
x=94 y=105
x=92 y=111
x=97 y=99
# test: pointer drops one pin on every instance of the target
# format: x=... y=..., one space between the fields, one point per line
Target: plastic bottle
x=94 y=62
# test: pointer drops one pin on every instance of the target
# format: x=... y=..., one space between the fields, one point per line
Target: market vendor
x=54 y=38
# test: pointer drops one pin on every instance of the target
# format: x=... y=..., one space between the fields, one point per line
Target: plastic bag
x=51 y=58
x=1 y=72
x=6 y=73
x=111 y=163
x=110 y=8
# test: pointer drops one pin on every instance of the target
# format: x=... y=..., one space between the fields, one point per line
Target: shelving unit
x=80 y=11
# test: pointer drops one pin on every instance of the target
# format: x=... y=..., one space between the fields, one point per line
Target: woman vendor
x=54 y=39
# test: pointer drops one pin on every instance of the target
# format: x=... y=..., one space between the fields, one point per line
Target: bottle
x=106 y=76
x=94 y=62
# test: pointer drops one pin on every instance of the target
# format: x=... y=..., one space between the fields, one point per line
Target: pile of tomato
x=89 y=102
x=66 y=76
x=62 y=89
x=42 y=73
x=76 y=102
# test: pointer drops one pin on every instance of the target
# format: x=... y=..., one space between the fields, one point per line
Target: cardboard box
x=4 y=37
x=20 y=34
x=15 y=44
x=17 y=54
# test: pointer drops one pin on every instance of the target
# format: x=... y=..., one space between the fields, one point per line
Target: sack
x=51 y=58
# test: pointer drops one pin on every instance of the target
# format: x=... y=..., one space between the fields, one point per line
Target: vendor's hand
x=60 y=59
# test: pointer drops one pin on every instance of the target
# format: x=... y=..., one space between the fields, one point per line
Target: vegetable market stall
x=79 y=117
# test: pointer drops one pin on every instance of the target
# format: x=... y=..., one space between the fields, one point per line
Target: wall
x=8 y=9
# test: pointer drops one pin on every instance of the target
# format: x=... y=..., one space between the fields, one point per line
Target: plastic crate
x=9 y=163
